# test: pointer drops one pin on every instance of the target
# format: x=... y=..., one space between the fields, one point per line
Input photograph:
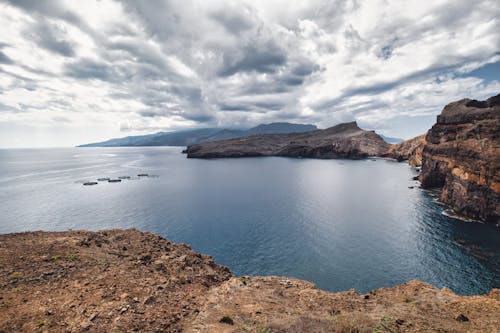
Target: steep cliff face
x=410 y=150
x=341 y=141
x=462 y=155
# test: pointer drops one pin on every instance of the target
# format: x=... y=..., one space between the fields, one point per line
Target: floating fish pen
x=102 y=179
x=143 y=175
x=124 y=177
x=114 y=180
x=89 y=183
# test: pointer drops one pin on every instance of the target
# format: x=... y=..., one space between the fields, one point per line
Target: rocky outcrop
x=409 y=150
x=108 y=281
x=461 y=155
x=129 y=281
x=341 y=141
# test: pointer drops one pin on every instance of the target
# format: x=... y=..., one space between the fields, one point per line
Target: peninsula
x=342 y=141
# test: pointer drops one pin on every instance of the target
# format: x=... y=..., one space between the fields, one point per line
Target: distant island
x=189 y=137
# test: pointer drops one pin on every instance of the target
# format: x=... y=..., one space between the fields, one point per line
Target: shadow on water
x=463 y=256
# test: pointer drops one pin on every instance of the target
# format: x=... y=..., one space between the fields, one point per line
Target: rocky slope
x=461 y=154
x=105 y=281
x=409 y=150
x=341 y=141
x=129 y=281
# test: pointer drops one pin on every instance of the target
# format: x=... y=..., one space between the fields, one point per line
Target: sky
x=73 y=72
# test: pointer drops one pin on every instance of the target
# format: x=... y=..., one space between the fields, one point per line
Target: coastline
x=128 y=280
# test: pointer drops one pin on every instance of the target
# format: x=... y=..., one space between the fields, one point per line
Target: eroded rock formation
x=461 y=154
x=409 y=150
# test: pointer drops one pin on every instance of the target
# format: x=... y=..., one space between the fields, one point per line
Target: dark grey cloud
x=235 y=22
x=264 y=57
x=234 y=107
x=46 y=8
x=53 y=38
x=270 y=105
x=89 y=69
x=4 y=59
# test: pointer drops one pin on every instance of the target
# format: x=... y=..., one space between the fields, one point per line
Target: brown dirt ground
x=130 y=281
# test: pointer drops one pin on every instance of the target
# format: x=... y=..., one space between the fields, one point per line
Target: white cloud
x=142 y=66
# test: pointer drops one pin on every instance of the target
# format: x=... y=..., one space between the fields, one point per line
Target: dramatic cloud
x=78 y=71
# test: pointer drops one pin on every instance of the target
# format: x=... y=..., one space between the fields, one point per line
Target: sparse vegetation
x=197 y=294
x=353 y=323
x=16 y=275
x=243 y=280
x=408 y=299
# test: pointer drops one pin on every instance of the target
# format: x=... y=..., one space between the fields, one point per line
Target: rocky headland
x=342 y=141
x=460 y=154
x=130 y=281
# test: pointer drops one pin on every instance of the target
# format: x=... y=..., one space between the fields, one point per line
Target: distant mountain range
x=190 y=137
x=194 y=136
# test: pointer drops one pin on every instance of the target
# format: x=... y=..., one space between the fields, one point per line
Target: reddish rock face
x=410 y=150
x=462 y=155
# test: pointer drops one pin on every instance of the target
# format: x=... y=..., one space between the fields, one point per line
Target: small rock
x=149 y=300
x=146 y=259
x=366 y=297
x=226 y=320
x=462 y=318
x=85 y=325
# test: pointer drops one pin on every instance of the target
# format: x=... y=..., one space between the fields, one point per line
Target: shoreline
x=131 y=280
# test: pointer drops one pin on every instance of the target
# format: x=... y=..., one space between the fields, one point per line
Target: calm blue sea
x=339 y=223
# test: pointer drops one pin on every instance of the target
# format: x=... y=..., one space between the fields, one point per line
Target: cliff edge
x=130 y=281
x=461 y=155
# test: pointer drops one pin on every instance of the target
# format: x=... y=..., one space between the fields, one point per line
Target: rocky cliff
x=409 y=150
x=461 y=155
x=129 y=281
x=341 y=141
